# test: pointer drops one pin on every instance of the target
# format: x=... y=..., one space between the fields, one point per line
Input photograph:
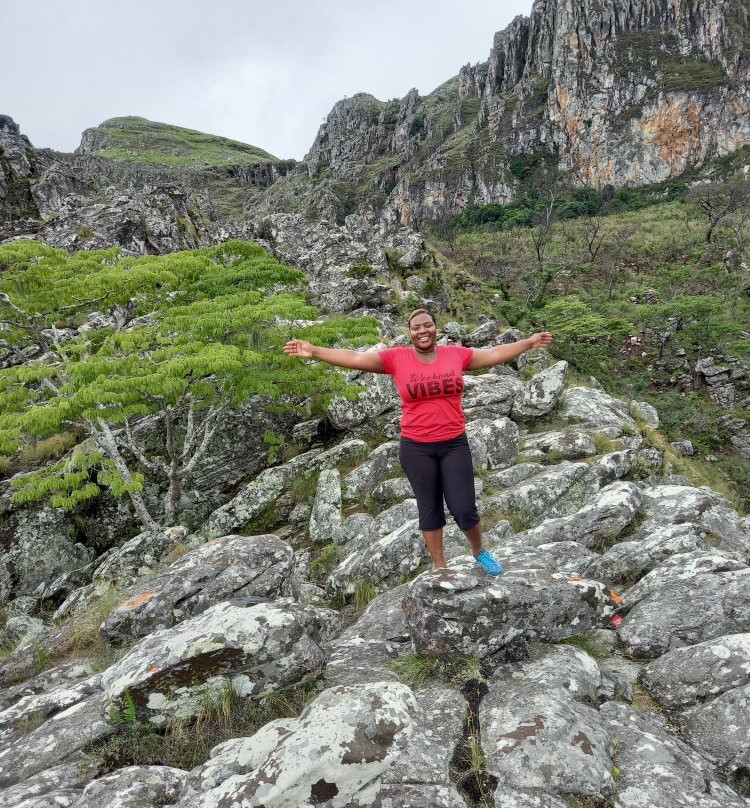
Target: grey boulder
x=378 y=465
x=572 y=444
x=687 y=612
x=657 y=769
x=461 y=610
x=493 y=444
x=686 y=675
x=535 y=712
x=604 y=516
x=326 y=519
x=720 y=728
x=236 y=567
x=335 y=753
x=629 y=560
x=253 y=651
x=378 y=395
x=595 y=407
x=677 y=568
x=56 y=741
x=134 y=787
x=384 y=562
x=540 y=394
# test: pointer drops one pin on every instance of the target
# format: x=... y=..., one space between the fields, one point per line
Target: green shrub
x=322 y=566
x=360 y=271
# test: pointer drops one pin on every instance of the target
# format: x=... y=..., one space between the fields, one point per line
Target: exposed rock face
x=694 y=610
x=686 y=675
x=134 y=786
x=540 y=394
x=684 y=776
x=298 y=764
x=17 y=166
x=233 y=567
x=460 y=610
x=620 y=93
x=540 y=709
x=262 y=648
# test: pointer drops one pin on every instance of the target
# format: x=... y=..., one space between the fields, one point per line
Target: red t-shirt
x=430 y=394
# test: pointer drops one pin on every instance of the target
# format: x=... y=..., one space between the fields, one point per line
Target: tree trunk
x=107 y=443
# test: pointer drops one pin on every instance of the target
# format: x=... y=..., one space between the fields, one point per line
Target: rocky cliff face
x=609 y=91
x=17 y=167
x=148 y=187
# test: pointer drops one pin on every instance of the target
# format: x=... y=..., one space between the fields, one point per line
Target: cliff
x=615 y=92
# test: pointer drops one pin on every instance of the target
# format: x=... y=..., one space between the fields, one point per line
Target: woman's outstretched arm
x=341 y=357
x=488 y=357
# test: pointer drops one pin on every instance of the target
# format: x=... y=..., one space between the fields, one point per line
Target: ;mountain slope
x=139 y=140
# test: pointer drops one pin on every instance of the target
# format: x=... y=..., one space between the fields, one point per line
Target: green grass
x=364 y=593
x=264 y=522
x=688 y=74
x=303 y=488
x=418 y=668
x=142 y=141
x=326 y=561
x=603 y=444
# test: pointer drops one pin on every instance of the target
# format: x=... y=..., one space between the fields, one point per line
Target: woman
x=434 y=451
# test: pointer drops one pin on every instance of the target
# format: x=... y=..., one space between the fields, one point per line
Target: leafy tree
x=582 y=336
x=193 y=334
x=699 y=323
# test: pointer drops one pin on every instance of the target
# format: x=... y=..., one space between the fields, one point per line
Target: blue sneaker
x=489 y=564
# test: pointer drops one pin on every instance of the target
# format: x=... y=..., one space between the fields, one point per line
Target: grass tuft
x=364 y=593
x=417 y=668
x=322 y=566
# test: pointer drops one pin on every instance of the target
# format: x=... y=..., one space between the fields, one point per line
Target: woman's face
x=423 y=332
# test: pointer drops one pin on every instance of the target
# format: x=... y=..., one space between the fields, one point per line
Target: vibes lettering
x=447 y=386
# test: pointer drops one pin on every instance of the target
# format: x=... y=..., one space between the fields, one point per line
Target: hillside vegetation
x=191 y=334
x=634 y=297
x=139 y=140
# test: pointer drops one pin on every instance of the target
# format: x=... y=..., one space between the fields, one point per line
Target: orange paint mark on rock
x=137 y=600
x=212 y=541
x=153 y=669
x=615 y=597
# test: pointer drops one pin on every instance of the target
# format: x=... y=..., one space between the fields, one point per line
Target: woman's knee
x=466 y=517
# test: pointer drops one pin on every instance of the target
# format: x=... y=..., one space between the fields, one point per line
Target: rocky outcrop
x=369 y=726
x=233 y=567
x=253 y=650
x=17 y=168
x=612 y=93
x=457 y=611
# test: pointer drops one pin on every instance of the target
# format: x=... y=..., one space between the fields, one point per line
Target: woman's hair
x=420 y=311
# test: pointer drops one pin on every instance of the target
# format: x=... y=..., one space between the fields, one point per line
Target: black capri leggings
x=437 y=470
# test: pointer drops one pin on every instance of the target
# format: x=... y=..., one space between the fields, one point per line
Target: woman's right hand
x=298 y=347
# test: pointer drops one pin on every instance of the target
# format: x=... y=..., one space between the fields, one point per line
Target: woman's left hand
x=541 y=339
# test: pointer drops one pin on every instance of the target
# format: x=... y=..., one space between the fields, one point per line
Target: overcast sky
x=265 y=73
